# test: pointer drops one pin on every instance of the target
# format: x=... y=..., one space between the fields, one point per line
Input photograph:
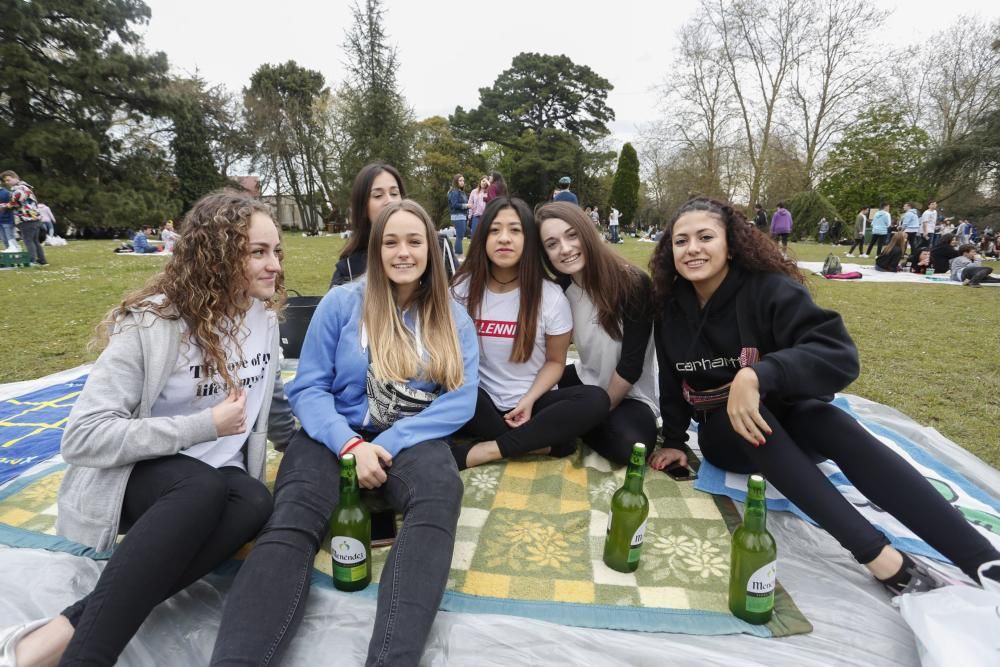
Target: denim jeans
x=474 y=223
x=7 y=235
x=268 y=598
x=614 y=233
x=459 y=224
x=29 y=234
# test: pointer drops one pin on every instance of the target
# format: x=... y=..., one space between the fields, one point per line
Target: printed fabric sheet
x=976 y=505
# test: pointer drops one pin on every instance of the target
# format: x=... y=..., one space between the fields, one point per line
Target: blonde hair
x=204 y=282
x=394 y=355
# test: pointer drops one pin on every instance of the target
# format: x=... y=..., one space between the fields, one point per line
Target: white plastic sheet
x=853 y=618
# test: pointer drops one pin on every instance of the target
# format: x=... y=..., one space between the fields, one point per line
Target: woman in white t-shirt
x=166 y=442
x=612 y=328
x=524 y=326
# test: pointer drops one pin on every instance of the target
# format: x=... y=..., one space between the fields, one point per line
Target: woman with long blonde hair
x=166 y=442
x=889 y=258
x=397 y=334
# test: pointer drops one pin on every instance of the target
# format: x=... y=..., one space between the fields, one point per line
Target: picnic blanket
x=977 y=506
x=870 y=275
x=529 y=543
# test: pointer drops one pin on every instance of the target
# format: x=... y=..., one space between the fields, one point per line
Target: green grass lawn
x=929 y=351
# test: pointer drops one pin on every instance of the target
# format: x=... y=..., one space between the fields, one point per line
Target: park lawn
x=928 y=351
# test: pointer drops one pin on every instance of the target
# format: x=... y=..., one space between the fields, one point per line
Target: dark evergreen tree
x=625 y=187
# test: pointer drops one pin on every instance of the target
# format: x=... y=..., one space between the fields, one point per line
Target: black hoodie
x=805 y=351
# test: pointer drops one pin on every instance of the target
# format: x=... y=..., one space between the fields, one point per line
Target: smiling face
x=505 y=240
x=263 y=266
x=484 y=183
x=700 y=250
x=563 y=246
x=404 y=249
x=384 y=190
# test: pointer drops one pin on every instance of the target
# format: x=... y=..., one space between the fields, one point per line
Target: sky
x=449 y=50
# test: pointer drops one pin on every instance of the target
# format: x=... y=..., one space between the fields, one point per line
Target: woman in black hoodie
x=943 y=253
x=744 y=350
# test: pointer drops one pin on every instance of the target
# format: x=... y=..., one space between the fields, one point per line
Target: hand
x=665 y=457
x=230 y=416
x=743 y=408
x=371 y=461
x=520 y=414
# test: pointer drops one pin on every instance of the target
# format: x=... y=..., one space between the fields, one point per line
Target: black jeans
x=877 y=240
x=978 y=274
x=268 y=598
x=859 y=241
x=558 y=418
x=914 y=239
x=183 y=518
x=631 y=422
x=809 y=431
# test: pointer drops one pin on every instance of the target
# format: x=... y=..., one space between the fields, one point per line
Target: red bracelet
x=351 y=444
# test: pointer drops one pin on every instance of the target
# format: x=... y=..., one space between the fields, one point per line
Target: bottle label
x=350 y=562
x=760 y=589
x=635 y=546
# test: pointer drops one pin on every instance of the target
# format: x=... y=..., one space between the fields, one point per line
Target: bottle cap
x=755 y=487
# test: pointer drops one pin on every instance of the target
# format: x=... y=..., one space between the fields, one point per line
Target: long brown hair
x=393 y=347
x=898 y=241
x=204 y=282
x=361 y=190
x=609 y=280
x=476 y=270
x=749 y=247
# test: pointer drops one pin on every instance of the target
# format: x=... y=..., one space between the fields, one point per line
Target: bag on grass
x=832 y=265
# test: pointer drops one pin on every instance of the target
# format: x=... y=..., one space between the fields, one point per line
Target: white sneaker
x=849 y=255
x=865 y=255
x=12 y=247
x=9 y=637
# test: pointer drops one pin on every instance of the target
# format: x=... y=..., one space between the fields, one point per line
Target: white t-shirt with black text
x=505 y=381
x=193 y=387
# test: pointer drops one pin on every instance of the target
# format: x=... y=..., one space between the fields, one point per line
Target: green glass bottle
x=627 y=520
x=351 y=531
x=754 y=560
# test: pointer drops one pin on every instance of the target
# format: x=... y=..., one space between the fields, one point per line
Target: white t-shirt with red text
x=505 y=381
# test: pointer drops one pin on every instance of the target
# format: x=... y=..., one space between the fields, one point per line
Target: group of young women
x=166 y=442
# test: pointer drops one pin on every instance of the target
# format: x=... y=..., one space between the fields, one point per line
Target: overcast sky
x=448 y=50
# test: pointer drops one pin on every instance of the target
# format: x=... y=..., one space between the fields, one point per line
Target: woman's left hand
x=743 y=408
x=520 y=414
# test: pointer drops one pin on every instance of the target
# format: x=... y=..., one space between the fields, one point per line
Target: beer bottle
x=627 y=520
x=753 y=563
x=351 y=530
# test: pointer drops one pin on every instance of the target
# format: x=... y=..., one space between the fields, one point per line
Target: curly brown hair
x=204 y=282
x=749 y=247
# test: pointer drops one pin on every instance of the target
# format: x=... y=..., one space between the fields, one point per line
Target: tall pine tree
x=625 y=188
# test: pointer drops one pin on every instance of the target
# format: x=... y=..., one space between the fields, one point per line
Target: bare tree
x=832 y=75
x=758 y=49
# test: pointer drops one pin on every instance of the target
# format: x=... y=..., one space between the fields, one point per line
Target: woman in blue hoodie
x=395 y=333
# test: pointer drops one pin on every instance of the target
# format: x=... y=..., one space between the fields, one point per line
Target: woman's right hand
x=665 y=457
x=230 y=416
x=371 y=460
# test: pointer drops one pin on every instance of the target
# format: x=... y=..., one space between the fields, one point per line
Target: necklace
x=500 y=282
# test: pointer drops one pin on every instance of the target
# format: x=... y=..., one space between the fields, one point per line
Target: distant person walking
x=563 y=193
x=860 y=227
x=910 y=223
x=47 y=219
x=928 y=223
x=760 y=218
x=458 y=205
x=613 y=224
x=824 y=227
x=881 y=222
x=781 y=225
x=25 y=208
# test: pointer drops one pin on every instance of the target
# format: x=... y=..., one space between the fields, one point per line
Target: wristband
x=351 y=444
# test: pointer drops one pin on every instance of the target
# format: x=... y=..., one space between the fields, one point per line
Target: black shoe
x=913 y=577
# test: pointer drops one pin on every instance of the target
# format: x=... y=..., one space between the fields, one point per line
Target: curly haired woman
x=743 y=349
x=166 y=441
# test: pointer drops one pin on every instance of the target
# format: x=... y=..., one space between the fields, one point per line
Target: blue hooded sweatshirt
x=328 y=393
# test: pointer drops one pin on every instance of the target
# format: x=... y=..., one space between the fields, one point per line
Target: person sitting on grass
x=921 y=260
x=140 y=242
x=967 y=269
x=943 y=252
x=888 y=259
x=744 y=350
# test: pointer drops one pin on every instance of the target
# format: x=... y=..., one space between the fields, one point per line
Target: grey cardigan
x=110 y=428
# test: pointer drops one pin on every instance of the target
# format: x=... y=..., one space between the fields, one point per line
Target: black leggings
x=809 y=431
x=557 y=419
x=183 y=518
x=878 y=240
x=631 y=422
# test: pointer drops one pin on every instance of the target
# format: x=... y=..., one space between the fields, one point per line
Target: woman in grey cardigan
x=166 y=442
